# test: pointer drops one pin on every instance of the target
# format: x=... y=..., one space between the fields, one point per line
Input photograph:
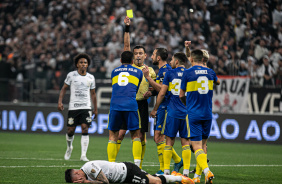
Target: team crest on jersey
x=164 y=73
x=93 y=170
x=182 y=69
x=160 y=126
x=70 y=121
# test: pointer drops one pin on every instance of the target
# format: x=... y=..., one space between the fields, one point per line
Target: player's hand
x=127 y=21
x=145 y=71
x=187 y=43
x=95 y=113
x=147 y=94
x=153 y=114
x=60 y=106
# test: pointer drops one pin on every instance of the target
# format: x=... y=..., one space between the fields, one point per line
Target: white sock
x=196 y=175
x=167 y=171
x=137 y=162
x=186 y=172
x=206 y=170
x=172 y=179
x=69 y=140
x=84 y=144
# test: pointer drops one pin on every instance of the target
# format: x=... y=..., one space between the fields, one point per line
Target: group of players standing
x=184 y=105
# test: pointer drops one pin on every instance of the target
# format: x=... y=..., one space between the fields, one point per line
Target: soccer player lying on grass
x=111 y=172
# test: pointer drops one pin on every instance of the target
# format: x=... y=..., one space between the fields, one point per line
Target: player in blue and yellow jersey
x=176 y=113
x=138 y=62
x=198 y=82
x=126 y=80
x=159 y=58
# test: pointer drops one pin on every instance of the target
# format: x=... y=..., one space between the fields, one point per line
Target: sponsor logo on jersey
x=79 y=105
x=201 y=72
x=70 y=121
x=93 y=171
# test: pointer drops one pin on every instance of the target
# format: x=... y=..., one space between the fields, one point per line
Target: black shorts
x=144 y=115
x=135 y=174
x=78 y=117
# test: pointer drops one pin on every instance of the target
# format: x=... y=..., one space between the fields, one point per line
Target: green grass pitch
x=38 y=158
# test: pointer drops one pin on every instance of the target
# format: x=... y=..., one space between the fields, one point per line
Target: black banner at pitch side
x=225 y=127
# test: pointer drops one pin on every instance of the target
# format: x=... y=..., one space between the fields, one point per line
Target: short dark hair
x=181 y=57
x=68 y=177
x=197 y=55
x=162 y=52
x=127 y=57
x=82 y=55
x=139 y=47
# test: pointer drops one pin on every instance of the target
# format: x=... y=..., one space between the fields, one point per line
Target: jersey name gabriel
x=160 y=78
x=173 y=79
x=80 y=86
x=198 y=83
x=126 y=80
x=115 y=172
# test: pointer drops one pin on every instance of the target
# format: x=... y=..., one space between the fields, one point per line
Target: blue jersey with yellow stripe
x=125 y=84
x=198 y=83
x=172 y=79
x=160 y=78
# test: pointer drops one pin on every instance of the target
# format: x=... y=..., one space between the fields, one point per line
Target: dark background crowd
x=39 y=38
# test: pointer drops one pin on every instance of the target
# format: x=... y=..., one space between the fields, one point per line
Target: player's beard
x=155 y=62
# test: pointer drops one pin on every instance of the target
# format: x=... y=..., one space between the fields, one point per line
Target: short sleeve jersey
x=80 y=86
x=160 y=78
x=144 y=86
x=115 y=172
x=126 y=80
x=198 y=81
x=173 y=79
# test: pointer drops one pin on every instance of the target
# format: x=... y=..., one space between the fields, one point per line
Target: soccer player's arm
x=61 y=96
x=187 y=49
x=152 y=82
x=100 y=179
x=183 y=89
x=126 y=34
x=161 y=94
x=160 y=98
x=216 y=80
x=94 y=101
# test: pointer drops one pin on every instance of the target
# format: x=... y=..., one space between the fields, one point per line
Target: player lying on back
x=100 y=171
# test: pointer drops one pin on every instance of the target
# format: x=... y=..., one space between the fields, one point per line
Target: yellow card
x=129 y=13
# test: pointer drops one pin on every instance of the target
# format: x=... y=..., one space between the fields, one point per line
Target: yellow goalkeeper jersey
x=144 y=86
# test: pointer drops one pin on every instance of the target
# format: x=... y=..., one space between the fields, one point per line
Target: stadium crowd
x=39 y=38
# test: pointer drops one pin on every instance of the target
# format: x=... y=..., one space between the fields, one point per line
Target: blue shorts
x=130 y=118
x=173 y=125
x=160 y=118
x=199 y=129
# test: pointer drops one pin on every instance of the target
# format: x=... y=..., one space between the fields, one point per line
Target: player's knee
x=84 y=130
x=70 y=132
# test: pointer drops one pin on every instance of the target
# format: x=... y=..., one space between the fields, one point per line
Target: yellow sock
x=160 y=147
x=167 y=156
x=118 y=145
x=201 y=158
x=186 y=155
x=198 y=170
x=143 y=143
x=175 y=156
x=136 y=148
x=112 y=151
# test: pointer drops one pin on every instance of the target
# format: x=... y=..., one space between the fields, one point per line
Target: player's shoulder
x=89 y=75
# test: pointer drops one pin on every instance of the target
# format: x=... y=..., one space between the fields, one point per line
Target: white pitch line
x=76 y=166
